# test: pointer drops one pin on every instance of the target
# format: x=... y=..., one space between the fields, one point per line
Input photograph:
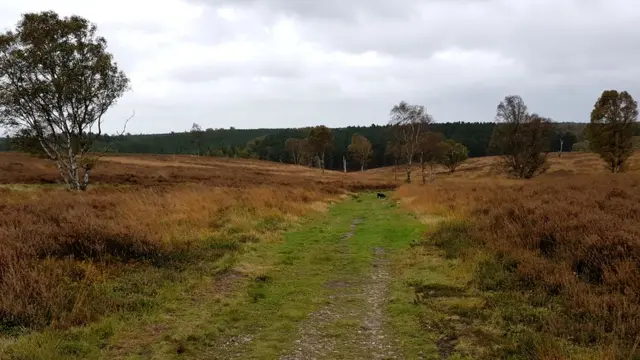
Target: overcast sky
x=291 y=63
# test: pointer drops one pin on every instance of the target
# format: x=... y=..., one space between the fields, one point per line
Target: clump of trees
x=320 y=140
x=409 y=126
x=57 y=81
x=305 y=153
x=360 y=150
x=300 y=151
x=581 y=146
x=411 y=142
x=437 y=151
x=294 y=147
x=408 y=123
x=520 y=139
x=453 y=154
x=610 y=132
x=312 y=149
x=431 y=155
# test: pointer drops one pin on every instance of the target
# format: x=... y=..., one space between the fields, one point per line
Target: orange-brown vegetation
x=160 y=170
x=567 y=242
x=484 y=168
x=61 y=251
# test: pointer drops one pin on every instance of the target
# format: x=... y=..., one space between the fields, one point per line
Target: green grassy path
x=360 y=281
x=322 y=292
x=320 y=297
x=340 y=285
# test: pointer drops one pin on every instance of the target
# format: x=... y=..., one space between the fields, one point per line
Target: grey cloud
x=565 y=103
x=548 y=38
x=271 y=69
x=569 y=51
x=576 y=35
x=323 y=9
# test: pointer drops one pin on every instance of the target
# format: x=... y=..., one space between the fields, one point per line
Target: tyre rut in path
x=358 y=300
x=375 y=292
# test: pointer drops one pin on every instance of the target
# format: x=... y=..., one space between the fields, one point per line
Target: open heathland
x=147 y=223
x=558 y=257
x=195 y=257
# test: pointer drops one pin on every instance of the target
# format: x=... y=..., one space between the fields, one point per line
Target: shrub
x=574 y=243
x=453 y=237
x=57 y=248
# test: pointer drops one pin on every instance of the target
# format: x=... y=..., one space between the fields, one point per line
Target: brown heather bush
x=571 y=242
x=55 y=245
x=170 y=170
x=57 y=248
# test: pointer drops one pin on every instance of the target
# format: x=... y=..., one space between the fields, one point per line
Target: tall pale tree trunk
x=561 y=147
x=61 y=171
x=422 y=168
x=395 y=170
x=85 y=181
x=74 y=178
x=409 y=170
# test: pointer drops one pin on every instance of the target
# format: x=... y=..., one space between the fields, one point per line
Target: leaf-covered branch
x=57 y=80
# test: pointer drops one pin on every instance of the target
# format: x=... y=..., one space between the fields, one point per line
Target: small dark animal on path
x=382 y=196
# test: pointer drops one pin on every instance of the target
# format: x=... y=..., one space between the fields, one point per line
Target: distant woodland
x=269 y=144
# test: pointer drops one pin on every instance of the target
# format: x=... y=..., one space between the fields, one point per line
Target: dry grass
x=58 y=249
x=484 y=168
x=169 y=170
x=568 y=243
x=56 y=245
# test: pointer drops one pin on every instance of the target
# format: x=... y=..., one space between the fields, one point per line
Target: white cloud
x=228 y=13
x=268 y=63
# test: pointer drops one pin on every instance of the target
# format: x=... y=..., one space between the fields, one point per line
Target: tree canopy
x=269 y=144
x=408 y=123
x=521 y=139
x=361 y=150
x=612 y=126
x=452 y=154
x=57 y=80
x=320 y=140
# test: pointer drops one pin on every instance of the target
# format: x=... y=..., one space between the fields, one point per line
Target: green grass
x=253 y=302
x=299 y=269
x=466 y=308
x=427 y=292
x=249 y=303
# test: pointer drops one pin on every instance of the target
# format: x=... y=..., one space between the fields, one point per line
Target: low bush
x=453 y=237
x=573 y=244
x=57 y=247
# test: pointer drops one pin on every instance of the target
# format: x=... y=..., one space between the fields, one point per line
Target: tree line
x=269 y=144
x=521 y=140
x=57 y=80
